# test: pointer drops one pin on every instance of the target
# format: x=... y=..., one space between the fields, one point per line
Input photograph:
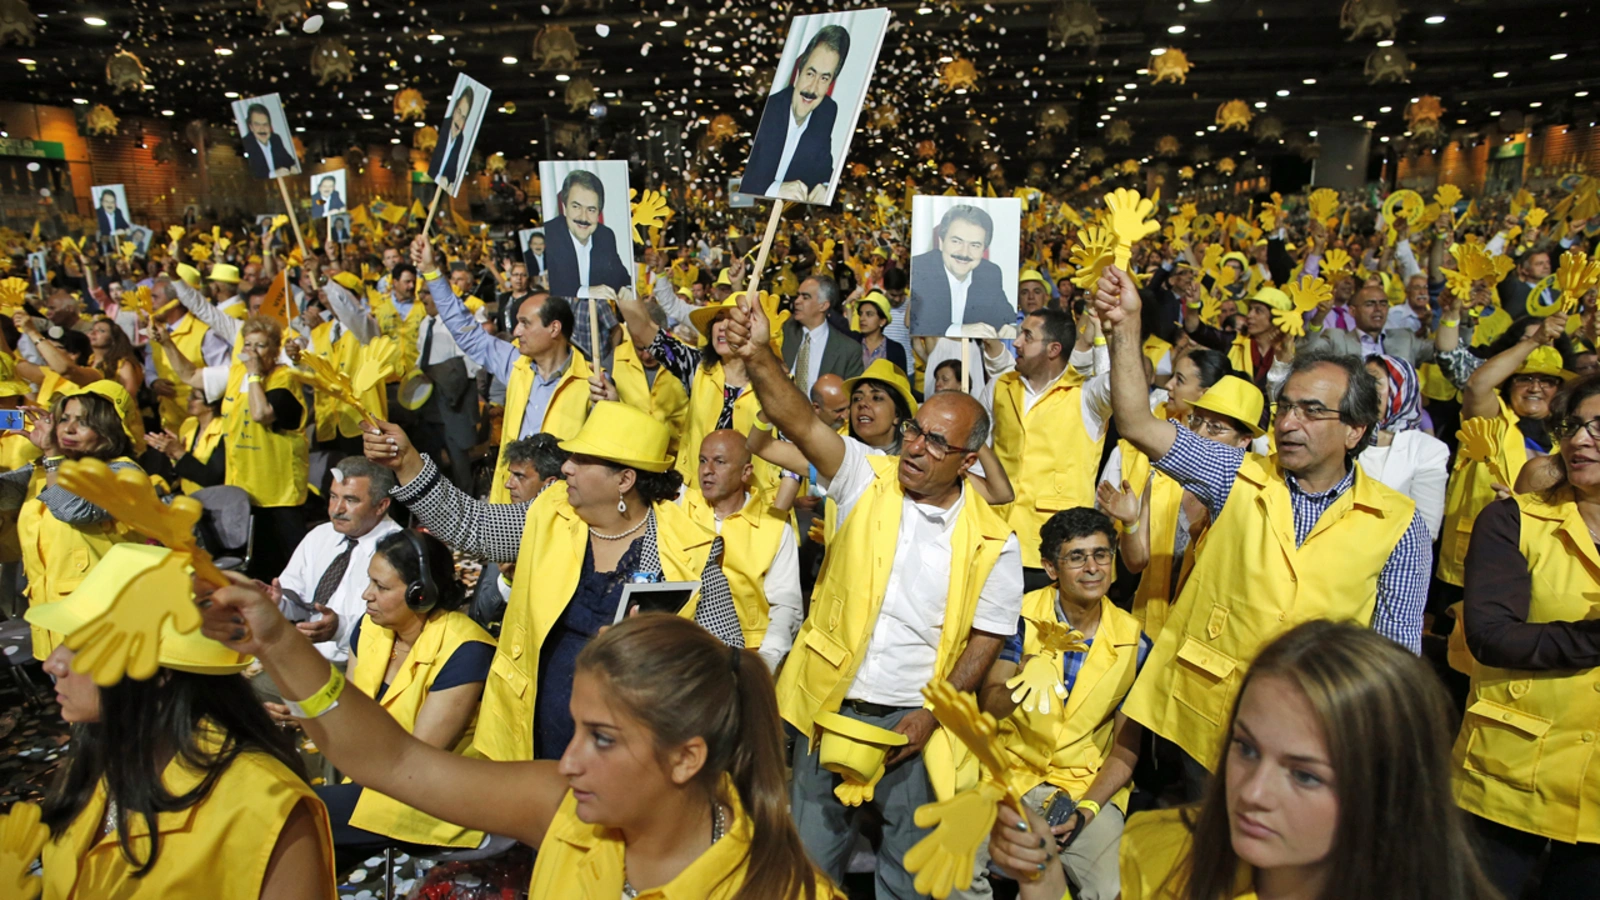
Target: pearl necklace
x=617 y=537
x=719 y=827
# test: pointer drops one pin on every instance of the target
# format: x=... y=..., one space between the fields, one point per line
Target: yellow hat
x=876 y=298
x=224 y=273
x=723 y=280
x=853 y=749
x=111 y=390
x=350 y=281
x=619 y=433
x=1032 y=275
x=1544 y=361
x=189 y=274
x=192 y=652
x=1274 y=298
x=1237 y=257
x=1237 y=399
x=701 y=318
x=888 y=373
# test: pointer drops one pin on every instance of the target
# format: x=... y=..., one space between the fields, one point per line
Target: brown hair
x=262 y=325
x=1389 y=727
x=120 y=349
x=681 y=682
x=101 y=415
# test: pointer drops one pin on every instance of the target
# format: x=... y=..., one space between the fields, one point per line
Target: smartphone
x=11 y=420
x=1060 y=809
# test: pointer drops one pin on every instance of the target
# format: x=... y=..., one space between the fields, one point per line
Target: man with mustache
x=953 y=284
x=582 y=253
x=326 y=200
x=264 y=150
x=111 y=219
x=792 y=154
x=451 y=153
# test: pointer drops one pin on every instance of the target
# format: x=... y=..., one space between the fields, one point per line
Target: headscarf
x=1404 y=409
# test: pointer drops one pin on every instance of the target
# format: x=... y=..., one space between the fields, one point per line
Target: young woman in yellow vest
x=266 y=447
x=1525 y=761
x=612 y=522
x=1079 y=752
x=179 y=785
x=1338 y=738
x=423 y=661
x=194 y=449
x=1261 y=352
x=673 y=787
x=61 y=534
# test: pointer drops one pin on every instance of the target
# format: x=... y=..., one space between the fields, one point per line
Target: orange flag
x=276 y=304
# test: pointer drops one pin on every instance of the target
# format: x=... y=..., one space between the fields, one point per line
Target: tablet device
x=662 y=596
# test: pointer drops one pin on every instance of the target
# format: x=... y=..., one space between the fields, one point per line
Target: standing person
x=1401 y=455
x=1524 y=759
x=922 y=581
x=1370 y=337
x=812 y=345
x=449 y=417
x=1332 y=544
x=1261 y=353
x=792 y=154
x=872 y=317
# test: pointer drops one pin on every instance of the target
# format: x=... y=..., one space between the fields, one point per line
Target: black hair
x=143 y=725
x=967 y=213
x=948 y=364
x=401 y=552
x=256 y=108
x=653 y=487
x=1213 y=365
x=260 y=290
x=585 y=179
x=895 y=279
x=401 y=269
x=902 y=409
x=1072 y=524
x=1058 y=328
x=325 y=179
x=467 y=95
x=1358 y=407
x=835 y=38
x=557 y=309
x=1513 y=334
x=101 y=415
x=543 y=450
x=76 y=343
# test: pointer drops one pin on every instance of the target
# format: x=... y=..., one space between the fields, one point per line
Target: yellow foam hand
x=22 y=837
x=1335 y=261
x=1535 y=217
x=176 y=233
x=1322 y=204
x=1041 y=676
x=1458 y=283
x=1059 y=637
x=1447 y=196
x=959 y=714
x=650 y=211
x=1210 y=307
x=854 y=793
x=126 y=638
x=279 y=221
x=1473 y=261
x=1290 y=321
x=775 y=317
x=1095 y=250
x=141 y=299
x=1480 y=440
x=1130 y=221
x=129 y=497
x=1502 y=267
x=12 y=290
x=944 y=859
x=1268 y=217
x=1578 y=273
x=1308 y=293
x=68 y=245
x=296 y=258
x=199 y=252
x=1180 y=228
x=1212 y=261
x=223 y=244
x=127 y=249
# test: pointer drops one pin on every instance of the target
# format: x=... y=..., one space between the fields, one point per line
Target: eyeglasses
x=1540 y=380
x=1306 y=410
x=1201 y=425
x=1569 y=427
x=938 y=446
x=1077 y=559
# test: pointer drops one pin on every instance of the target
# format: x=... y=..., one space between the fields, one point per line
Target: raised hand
x=1130 y=220
x=1116 y=298
x=1123 y=505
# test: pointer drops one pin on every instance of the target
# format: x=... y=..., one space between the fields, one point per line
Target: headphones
x=421 y=595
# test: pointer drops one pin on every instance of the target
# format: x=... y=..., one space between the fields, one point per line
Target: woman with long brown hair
x=674 y=781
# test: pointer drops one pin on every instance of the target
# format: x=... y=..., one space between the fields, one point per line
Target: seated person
x=425 y=663
x=532 y=464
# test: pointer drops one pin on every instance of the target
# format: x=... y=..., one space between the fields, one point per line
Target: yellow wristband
x=1090 y=805
x=431 y=276
x=1449 y=323
x=1099 y=340
x=322 y=702
x=1130 y=529
x=252 y=379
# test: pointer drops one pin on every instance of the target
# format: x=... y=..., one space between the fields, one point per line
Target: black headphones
x=421 y=595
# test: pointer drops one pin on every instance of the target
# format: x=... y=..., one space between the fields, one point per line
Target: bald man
x=760 y=556
x=830 y=401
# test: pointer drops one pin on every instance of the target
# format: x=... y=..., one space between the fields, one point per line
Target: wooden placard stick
x=305 y=258
x=966 y=364
x=753 y=295
x=432 y=208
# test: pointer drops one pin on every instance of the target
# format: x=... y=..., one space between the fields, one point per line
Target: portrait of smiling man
x=580 y=251
x=955 y=283
x=792 y=155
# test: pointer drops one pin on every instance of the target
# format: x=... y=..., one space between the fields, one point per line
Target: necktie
x=802 y=365
x=336 y=332
x=335 y=574
x=427 y=344
x=1339 y=321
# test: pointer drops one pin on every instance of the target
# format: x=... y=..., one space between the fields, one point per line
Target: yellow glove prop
x=22 y=837
x=1130 y=221
x=1039 y=679
x=944 y=860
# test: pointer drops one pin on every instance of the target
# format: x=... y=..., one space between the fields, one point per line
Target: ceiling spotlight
x=1176 y=29
x=924 y=10
x=394 y=140
x=1557 y=57
x=224 y=51
x=232 y=95
x=1308 y=81
x=1261 y=104
x=669 y=23
x=338 y=5
x=1158 y=51
x=1434 y=20
x=96 y=21
x=1501 y=74
x=1312 y=133
x=509 y=60
x=1385 y=109
x=167 y=112
x=1283 y=92
x=563 y=77
x=1535 y=104
x=80 y=101
x=27 y=62
x=1357 y=118
x=1581 y=94
x=391 y=87
x=1386 y=43
x=435 y=38
x=367 y=116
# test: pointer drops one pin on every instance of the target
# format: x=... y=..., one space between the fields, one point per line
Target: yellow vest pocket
x=1505 y=743
x=1207 y=681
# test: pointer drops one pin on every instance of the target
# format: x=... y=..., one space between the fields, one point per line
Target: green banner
x=32 y=149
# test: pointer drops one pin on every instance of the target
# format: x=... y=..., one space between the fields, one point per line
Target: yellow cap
x=1544 y=361
x=189 y=274
x=1235 y=398
x=1032 y=275
x=224 y=273
x=350 y=281
x=13 y=388
x=723 y=280
x=619 y=433
x=888 y=373
x=701 y=317
x=1237 y=257
x=853 y=749
x=876 y=298
x=1274 y=298
x=111 y=390
x=192 y=652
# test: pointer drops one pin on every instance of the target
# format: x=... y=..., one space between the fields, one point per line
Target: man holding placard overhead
x=792 y=155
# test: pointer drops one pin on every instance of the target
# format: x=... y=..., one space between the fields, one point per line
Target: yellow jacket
x=335 y=419
x=403 y=329
x=1155 y=845
x=202 y=448
x=1250 y=583
x=1051 y=459
x=441 y=636
x=1469 y=491
x=1068 y=747
x=849 y=594
x=551 y=556
x=218 y=847
x=1154 y=594
x=271 y=465
x=189 y=335
x=563 y=416
x=665 y=398
x=1525 y=756
x=750 y=539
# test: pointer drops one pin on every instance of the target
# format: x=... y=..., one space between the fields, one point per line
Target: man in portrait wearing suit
x=326 y=200
x=533 y=256
x=792 y=154
x=449 y=154
x=813 y=346
x=263 y=150
x=109 y=214
x=580 y=252
x=952 y=284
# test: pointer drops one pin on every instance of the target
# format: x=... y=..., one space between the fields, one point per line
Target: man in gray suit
x=812 y=347
x=1370 y=308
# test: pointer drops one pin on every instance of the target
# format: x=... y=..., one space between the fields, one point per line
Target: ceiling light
x=1356 y=118
x=1581 y=94
x=924 y=10
x=1384 y=139
x=1308 y=81
x=394 y=140
x=338 y=5
x=1434 y=20
x=224 y=51
x=1535 y=104
x=1501 y=74
x=669 y=23
x=232 y=95
x=435 y=38
x=96 y=21
x=391 y=87
x=1176 y=29
x=367 y=116
x=1158 y=51
x=80 y=101
x=1130 y=86
x=27 y=62
x=167 y=112
x=1283 y=92
x=509 y=60
x=1385 y=109
x=1386 y=43
x=1261 y=104
x=563 y=77
x=1557 y=57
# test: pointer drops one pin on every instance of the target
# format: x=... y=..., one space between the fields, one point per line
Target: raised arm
x=781 y=453
x=749 y=335
x=181 y=365
x=350 y=313
x=226 y=326
x=994 y=485
x=489 y=530
x=56 y=358
x=1117 y=302
x=488 y=351
x=1480 y=397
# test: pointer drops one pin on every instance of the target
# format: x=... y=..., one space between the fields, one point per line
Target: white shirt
x=782 y=587
x=904 y=647
x=1417 y=464
x=1094 y=401
x=958 y=301
x=312 y=558
x=819 y=342
x=444 y=346
x=584 y=251
x=791 y=140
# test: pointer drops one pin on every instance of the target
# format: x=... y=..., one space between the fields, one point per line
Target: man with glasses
x=922 y=581
x=1299 y=536
x=1079 y=752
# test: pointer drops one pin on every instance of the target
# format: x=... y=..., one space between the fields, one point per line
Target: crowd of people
x=1271 y=555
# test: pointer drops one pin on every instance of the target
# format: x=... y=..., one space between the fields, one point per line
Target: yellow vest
x=56 y=556
x=1155 y=591
x=441 y=636
x=551 y=554
x=1067 y=747
x=403 y=329
x=16 y=451
x=1250 y=583
x=1155 y=845
x=216 y=848
x=200 y=449
x=270 y=465
x=1525 y=756
x=1470 y=491
x=1051 y=459
x=665 y=398
x=335 y=419
x=705 y=406
x=563 y=416
x=189 y=336
x=849 y=594
x=750 y=539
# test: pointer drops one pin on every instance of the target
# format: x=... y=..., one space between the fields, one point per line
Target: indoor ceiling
x=664 y=68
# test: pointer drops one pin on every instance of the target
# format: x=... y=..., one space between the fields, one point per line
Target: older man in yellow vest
x=923 y=581
x=1300 y=535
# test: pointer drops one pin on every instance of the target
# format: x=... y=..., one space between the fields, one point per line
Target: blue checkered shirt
x=1208 y=470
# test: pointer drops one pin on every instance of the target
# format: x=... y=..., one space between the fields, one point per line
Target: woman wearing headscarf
x=1402 y=455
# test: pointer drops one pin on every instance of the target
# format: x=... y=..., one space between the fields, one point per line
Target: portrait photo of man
x=267 y=153
x=448 y=164
x=327 y=197
x=110 y=208
x=580 y=252
x=532 y=250
x=792 y=155
x=955 y=283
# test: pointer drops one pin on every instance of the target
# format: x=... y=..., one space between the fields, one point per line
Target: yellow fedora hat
x=723 y=279
x=888 y=373
x=1237 y=399
x=189 y=274
x=224 y=273
x=350 y=281
x=192 y=652
x=1544 y=361
x=1032 y=275
x=701 y=318
x=619 y=433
